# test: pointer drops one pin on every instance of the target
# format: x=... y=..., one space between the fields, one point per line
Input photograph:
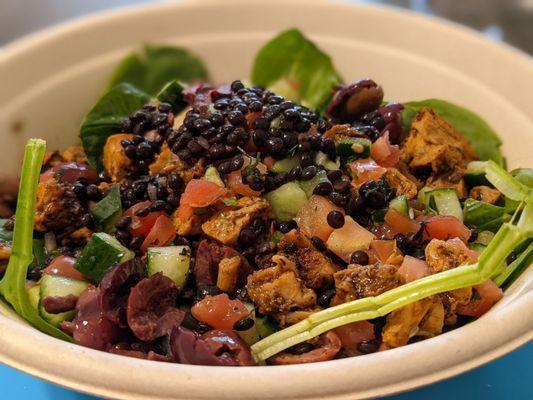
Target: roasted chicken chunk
x=116 y=163
x=168 y=162
x=485 y=193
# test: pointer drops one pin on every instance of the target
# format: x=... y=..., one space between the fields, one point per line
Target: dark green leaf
x=106 y=118
x=157 y=65
x=171 y=94
x=39 y=254
x=292 y=58
x=481 y=136
x=107 y=211
x=484 y=216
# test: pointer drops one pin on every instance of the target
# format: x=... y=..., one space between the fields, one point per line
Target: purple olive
x=353 y=100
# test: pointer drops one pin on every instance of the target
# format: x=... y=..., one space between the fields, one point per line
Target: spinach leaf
x=39 y=254
x=481 y=136
x=107 y=211
x=292 y=58
x=171 y=94
x=157 y=65
x=13 y=284
x=106 y=118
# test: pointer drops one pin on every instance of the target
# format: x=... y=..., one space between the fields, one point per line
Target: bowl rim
x=11 y=348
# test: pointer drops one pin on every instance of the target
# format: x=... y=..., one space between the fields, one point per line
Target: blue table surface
x=509 y=378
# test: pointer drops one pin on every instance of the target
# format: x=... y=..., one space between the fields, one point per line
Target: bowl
x=50 y=79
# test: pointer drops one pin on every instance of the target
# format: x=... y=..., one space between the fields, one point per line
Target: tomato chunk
x=385 y=154
x=161 y=234
x=352 y=335
x=401 y=223
x=202 y=193
x=445 y=227
x=488 y=295
x=351 y=237
x=141 y=226
x=413 y=268
x=64 y=266
x=366 y=170
x=219 y=311
x=312 y=218
x=383 y=249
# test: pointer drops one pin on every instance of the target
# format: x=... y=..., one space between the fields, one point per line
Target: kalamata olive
x=355 y=99
x=391 y=114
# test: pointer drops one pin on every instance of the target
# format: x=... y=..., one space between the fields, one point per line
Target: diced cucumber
x=265 y=326
x=475 y=174
x=212 y=175
x=262 y=327
x=102 y=252
x=285 y=165
x=287 y=200
x=353 y=148
x=444 y=201
x=107 y=211
x=173 y=261
x=309 y=186
x=54 y=285
x=400 y=204
x=33 y=295
x=484 y=237
x=477 y=247
x=322 y=159
x=484 y=216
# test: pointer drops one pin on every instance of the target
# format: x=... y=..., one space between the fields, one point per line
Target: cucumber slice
x=353 y=148
x=285 y=165
x=53 y=285
x=287 y=200
x=400 y=204
x=484 y=237
x=309 y=186
x=444 y=201
x=173 y=261
x=262 y=327
x=478 y=247
x=265 y=326
x=102 y=252
x=212 y=175
x=475 y=174
x=323 y=159
x=107 y=211
x=33 y=295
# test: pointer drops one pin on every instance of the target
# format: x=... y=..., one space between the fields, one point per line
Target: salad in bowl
x=291 y=219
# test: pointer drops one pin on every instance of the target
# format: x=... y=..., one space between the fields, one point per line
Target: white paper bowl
x=49 y=80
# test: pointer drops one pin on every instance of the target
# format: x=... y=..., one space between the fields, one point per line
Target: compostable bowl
x=50 y=79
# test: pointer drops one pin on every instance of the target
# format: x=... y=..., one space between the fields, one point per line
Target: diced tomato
x=366 y=170
x=219 y=311
x=489 y=294
x=251 y=117
x=352 y=335
x=445 y=227
x=236 y=186
x=202 y=193
x=383 y=249
x=269 y=161
x=401 y=223
x=312 y=218
x=385 y=154
x=161 y=234
x=142 y=225
x=351 y=237
x=413 y=268
x=64 y=266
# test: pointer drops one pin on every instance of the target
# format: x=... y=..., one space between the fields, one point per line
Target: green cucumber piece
x=287 y=200
x=285 y=165
x=400 y=204
x=265 y=326
x=444 y=201
x=353 y=148
x=478 y=247
x=484 y=216
x=322 y=159
x=475 y=174
x=34 y=296
x=102 y=252
x=309 y=186
x=173 y=261
x=54 y=285
x=484 y=237
x=107 y=211
x=212 y=175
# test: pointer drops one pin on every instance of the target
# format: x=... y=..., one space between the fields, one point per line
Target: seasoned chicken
x=167 y=162
x=314 y=268
x=278 y=289
x=401 y=183
x=192 y=226
x=444 y=182
x=57 y=207
x=485 y=193
x=359 y=281
x=225 y=226
x=116 y=163
x=406 y=322
x=75 y=154
x=228 y=272
x=436 y=145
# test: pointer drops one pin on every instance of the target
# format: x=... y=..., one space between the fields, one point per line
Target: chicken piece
x=228 y=272
x=75 y=154
x=5 y=252
x=57 y=207
x=338 y=132
x=406 y=322
x=359 y=281
x=80 y=236
x=485 y=193
x=436 y=145
x=314 y=268
x=52 y=158
x=192 y=226
x=443 y=182
x=115 y=161
x=167 y=162
x=401 y=183
x=278 y=289
x=226 y=225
